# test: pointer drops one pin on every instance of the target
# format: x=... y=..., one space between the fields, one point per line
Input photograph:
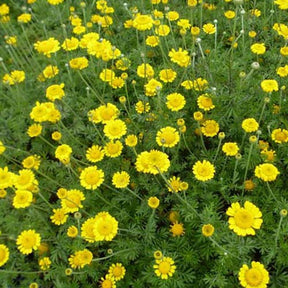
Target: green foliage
x=224 y=59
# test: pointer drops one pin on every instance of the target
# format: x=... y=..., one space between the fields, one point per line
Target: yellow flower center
x=105 y=229
x=281 y=136
x=253 y=277
x=117 y=271
x=210 y=128
x=113 y=148
x=243 y=218
x=92 y=177
x=164 y=267
x=28 y=242
x=203 y=171
x=107 y=284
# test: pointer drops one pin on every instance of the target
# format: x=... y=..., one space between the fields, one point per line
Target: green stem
x=247 y=164
x=278 y=231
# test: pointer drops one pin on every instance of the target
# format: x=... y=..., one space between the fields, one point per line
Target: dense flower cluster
x=143 y=144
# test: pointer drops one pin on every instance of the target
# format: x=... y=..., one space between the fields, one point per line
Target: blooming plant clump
x=143 y=143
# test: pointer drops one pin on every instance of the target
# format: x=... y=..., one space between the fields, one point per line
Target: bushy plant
x=143 y=144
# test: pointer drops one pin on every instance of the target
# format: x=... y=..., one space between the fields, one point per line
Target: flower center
x=164 y=267
x=281 y=136
x=105 y=229
x=92 y=178
x=117 y=271
x=243 y=218
x=107 y=284
x=253 y=277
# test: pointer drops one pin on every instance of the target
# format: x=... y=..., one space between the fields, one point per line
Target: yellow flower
x=258 y=48
x=279 y=135
x=108 y=281
x=192 y=3
x=195 y=30
x=117 y=271
x=250 y=125
x=4 y=9
x=167 y=75
x=180 y=57
x=282 y=71
x=243 y=220
x=55 y=2
x=153 y=202
x=164 y=267
x=3 y=193
x=142 y=107
x=80 y=258
x=153 y=162
x=34 y=130
x=70 y=44
x=152 y=87
x=252 y=34
x=198 y=116
x=174 y=184
x=28 y=241
x=167 y=137
x=4 y=251
x=104 y=113
x=95 y=153
x=47 y=47
x=115 y=129
x=207 y=230
x=105 y=227
x=63 y=152
x=44 y=263
x=230 y=14
x=175 y=101
x=87 y=232
x=60 y=216
x=205 y=102
x=210 y=128
x=172 y=15
x=24 y=18
x=230 y=148
x=255 y=12
x=282 y=4
x=50 y=71
x=56 y=136
x=249 y=185
x=121 y=179
x=117 y=83
x=88 y=38
x=256 y=276
x=107 y=75
x=72 y=231
x=162 y=30
x=269 y=85
x=55 y=91
x=143 y=22
x=24 y=180
x=71 y=202
x=204 y=170
x=267 y=172
x=91 y=177
x=11 y=40
x=131 y=140
x=209 y=28
x=113 y=149
x=22 y=199
x=16 y=76
x=177 y=229
x=6 y=178
x=284 y=51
